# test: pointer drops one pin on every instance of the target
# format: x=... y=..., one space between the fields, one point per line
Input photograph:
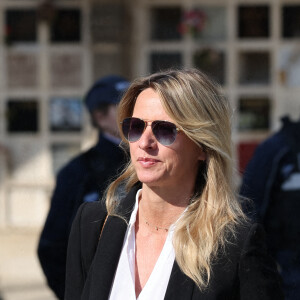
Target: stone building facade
x=52 y=51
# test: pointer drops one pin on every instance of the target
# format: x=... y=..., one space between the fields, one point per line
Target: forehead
x=148 y=106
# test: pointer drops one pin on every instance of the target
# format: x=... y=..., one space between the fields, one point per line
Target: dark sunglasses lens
x=133 y=128
x=165 y=132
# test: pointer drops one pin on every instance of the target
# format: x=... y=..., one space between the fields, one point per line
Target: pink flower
x=192 y=21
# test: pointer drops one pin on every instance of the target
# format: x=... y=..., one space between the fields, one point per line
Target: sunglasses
x=165 y=132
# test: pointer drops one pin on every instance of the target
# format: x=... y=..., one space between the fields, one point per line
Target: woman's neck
x=161 y=208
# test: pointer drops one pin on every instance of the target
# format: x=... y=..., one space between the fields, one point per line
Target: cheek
x=174 y=162
x=187 y=159
x=182 y=162
x=132 y=150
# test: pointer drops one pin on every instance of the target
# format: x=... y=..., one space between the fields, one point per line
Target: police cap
x=106 y=90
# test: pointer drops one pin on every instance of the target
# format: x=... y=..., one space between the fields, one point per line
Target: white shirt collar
x=123 y=285
x=135 y=209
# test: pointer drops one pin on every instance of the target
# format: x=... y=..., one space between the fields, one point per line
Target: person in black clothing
x=272 y=181
x=83 y=179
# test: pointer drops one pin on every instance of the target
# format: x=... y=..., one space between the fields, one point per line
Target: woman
x=180 y=232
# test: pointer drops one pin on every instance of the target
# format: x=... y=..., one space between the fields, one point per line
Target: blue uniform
x=83 y=179
x=272 y=181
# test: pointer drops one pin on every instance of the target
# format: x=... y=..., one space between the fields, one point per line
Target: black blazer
x=244 y=271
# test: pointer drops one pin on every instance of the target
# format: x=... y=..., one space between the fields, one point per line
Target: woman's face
x=156 y=164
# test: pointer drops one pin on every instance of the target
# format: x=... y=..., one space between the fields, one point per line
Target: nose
x=147 y=140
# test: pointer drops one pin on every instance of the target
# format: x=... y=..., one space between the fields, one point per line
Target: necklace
x=166 y=229
x=156 y=227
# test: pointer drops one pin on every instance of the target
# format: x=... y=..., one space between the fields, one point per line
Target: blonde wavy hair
x=196 y=105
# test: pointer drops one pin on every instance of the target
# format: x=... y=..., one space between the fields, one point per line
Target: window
x=254 y=68
x=211 y=62
x=291 y=21
x=22 y=116
x=66 y=26
x=21 y=25
x=253 y=21
x=214 y=23
x=289 y=62
x=165 y=23
x=108 y=22
x=254 y=114
x=65 y=114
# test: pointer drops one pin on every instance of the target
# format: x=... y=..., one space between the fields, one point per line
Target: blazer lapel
x=106 y=259
x=180 y=286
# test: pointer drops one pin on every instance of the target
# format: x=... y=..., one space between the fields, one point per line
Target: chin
x=151 y=176
x=149 y=180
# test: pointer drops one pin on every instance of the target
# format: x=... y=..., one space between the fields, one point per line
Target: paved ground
x=20 y=275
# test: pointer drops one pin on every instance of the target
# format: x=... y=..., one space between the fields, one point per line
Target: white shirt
x=124 y=282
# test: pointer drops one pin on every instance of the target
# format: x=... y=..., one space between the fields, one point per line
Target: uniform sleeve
x=52 y=248
x=256 y=176
x=75 y=274
x=258 y=275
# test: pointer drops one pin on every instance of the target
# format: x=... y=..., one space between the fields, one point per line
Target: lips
x=147 y=161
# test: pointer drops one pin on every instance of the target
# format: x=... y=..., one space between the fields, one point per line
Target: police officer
x=83 y=179
x=272 y=181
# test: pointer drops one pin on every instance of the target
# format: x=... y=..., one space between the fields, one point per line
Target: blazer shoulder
x=253 y=234
x=245 y=236
x=92 y=211
x=91 y=216
x=249 y=236
x=89 y=222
